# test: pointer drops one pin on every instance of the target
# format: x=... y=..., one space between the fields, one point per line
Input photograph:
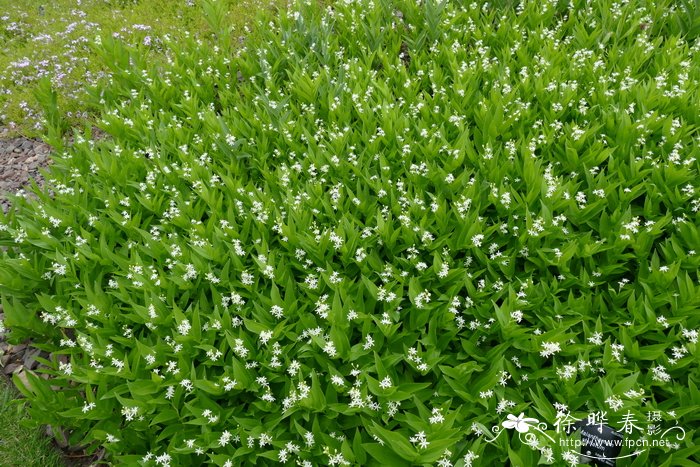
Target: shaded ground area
x=20 y=159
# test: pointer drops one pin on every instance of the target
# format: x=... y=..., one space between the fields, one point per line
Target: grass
x=18 y=444
x=383 y=232
x=52 y=39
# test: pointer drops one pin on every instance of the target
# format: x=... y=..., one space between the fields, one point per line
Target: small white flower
x=337 y=380
x=265 y=336
x=436 y=417
x=550 y=348
x=225 y=438
x=614 y=402
x=385 y=383
x=277 y=311
x=184 y=327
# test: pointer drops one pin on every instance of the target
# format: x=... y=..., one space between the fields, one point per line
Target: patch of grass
x=53 y=39
x=19 y=445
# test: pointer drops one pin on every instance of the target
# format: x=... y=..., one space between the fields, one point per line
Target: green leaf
x=398 y=442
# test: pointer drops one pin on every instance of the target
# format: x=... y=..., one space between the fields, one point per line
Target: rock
x=5 y=360
x=12 y=368
x=15 y=349
x=30 y=356
x=58 y=435
x=22 y=376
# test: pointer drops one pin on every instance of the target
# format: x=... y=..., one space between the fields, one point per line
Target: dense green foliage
x=372 y=235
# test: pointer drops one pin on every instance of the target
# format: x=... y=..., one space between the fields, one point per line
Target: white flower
x=187 y=384
x=163 y=459
x=337 y=380
x=130 y=412
x=66 y=368
x=660 y=374
x=614 y=402
x=550 y=348
x=59 y=269
x=691 y=335
x=437 y=417
x=277 y=311
x=225 y=438
x=184 y=327
x=469 y=458
x=596 y=338
x=265 y=336
x=421 y=439
x=385 y=383
x=190 y=272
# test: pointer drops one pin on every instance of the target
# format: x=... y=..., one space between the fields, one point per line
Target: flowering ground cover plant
x=52 y=40
x=374 y=236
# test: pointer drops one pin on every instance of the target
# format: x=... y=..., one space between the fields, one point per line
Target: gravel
x=20 y=159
